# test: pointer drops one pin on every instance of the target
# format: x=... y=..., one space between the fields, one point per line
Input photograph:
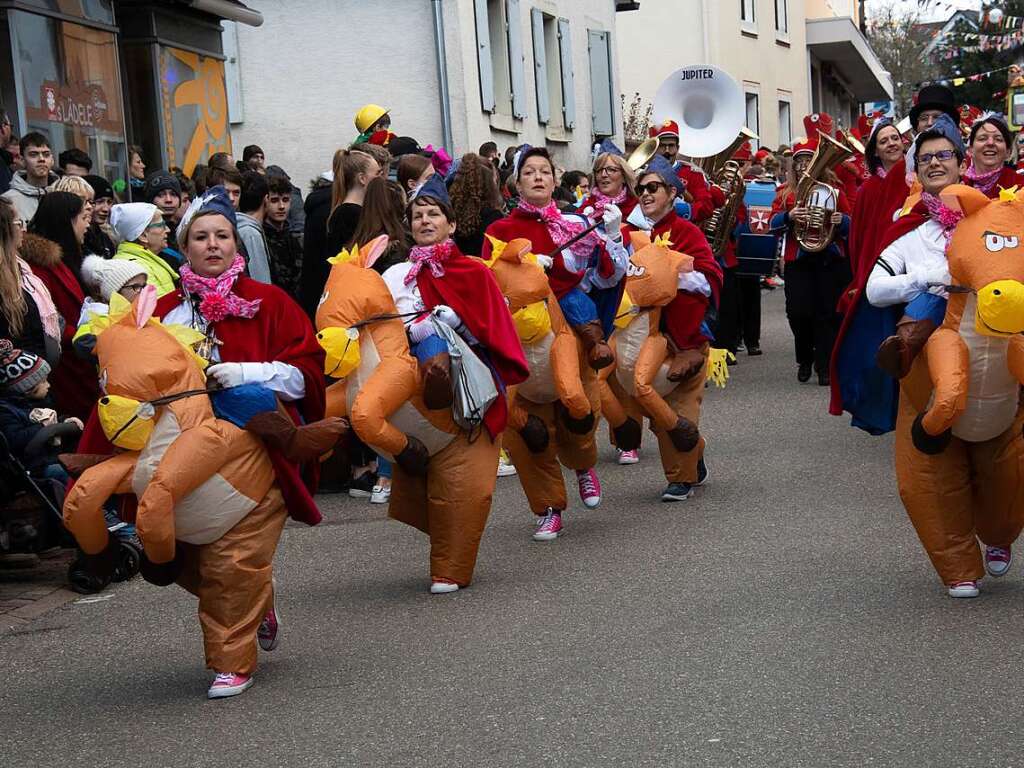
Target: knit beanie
x=100 y=186
x=130 y=220
x=157 y=182
x=20 y=371
x=106 y=277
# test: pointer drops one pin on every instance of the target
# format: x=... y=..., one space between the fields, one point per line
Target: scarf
x=216 y=301
x=601 y=200
x=562 y=229
x=881 y=172
x=983 y=182
x=938 y=211
x=432 y=256
x=40 y=294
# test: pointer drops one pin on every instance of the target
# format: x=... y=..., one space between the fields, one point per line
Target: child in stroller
x=31 y=436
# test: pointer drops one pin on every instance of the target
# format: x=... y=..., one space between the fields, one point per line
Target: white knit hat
x=130 y=220
x=107 y=276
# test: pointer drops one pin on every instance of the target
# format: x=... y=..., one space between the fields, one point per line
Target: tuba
x=819 y=198
x=710 y=109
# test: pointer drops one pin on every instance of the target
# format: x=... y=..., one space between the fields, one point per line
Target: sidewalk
x=29 y=591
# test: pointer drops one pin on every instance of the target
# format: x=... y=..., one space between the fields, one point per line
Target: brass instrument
x=647 y=149
x=820 y=199
x=722 y=170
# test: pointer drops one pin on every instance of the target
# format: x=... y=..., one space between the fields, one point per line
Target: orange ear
x=639 y=239
x=963 y=198
x=516 y=249
x=685 y=262
x=372 y=251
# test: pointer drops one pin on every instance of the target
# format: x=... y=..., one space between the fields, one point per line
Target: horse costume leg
x=539 y=473
x=936 y=492
x=232 y=579
x=998 y=469
x=83 y=505
x=685 y=402
x=949 y=366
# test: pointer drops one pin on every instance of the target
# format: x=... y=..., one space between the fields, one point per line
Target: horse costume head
x=652 y=278
x=986 y=256
x=525 y=286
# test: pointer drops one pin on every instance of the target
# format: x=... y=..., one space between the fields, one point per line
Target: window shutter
x=232 y=73
x=540 y=67
x=483 y=56
x=600 y=82
x=516 y=59
x=568 y=81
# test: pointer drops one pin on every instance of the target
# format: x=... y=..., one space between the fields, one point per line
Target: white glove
x=924 y=278
x=420 y=329
x=545 y=261
x=229 y=375
x=588 y=211
x=694 y=282
x=448 y=316
x=611 y=221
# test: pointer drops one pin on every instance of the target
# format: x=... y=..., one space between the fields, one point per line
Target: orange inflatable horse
x=959 y=450
x=442 y=482
x=553 y=414
x=210 y=512
x=639 y=385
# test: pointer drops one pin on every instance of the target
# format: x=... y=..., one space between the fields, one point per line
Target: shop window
x=70 y=89
x=195 y=107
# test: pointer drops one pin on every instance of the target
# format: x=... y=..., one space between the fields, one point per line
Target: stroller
x=31 y=522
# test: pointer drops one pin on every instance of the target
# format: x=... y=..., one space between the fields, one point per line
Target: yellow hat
x=368 y=115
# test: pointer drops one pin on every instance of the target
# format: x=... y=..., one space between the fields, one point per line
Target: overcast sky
x=933 y=11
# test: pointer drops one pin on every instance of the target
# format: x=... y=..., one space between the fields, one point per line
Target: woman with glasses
x=53 y=248
x=143 y=233
x=815 y=281
x=613 y=183
x=988 y=147
x=682 y=320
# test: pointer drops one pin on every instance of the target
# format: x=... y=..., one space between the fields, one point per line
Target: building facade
x=790 y=57
x=455 y=72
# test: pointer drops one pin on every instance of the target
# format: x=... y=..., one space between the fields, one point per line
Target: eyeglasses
x=608 y=170
x=650 y=187
x=158 y=225
x=942 y=155
x=19 y=223
x=132 y=287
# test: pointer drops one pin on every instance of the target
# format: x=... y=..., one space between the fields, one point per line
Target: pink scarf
x=601 y=200
x=983 y=182
x=563 y=229
x=943 y=214
x=432 y=256
x=40 y=294
x=216 y=299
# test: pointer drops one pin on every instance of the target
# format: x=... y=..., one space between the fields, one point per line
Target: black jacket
x=314 y=249
x=285 y=252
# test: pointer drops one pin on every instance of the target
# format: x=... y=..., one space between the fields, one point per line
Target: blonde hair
x=628 y=176
x=12 y=295
x=76 y=185
x=348 y=164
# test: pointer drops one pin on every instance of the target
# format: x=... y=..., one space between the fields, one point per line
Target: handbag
x=473 y=388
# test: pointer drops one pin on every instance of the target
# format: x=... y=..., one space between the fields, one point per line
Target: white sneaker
x=442 y=587
x=629 y=457
x=505 y=466
x=963 y=589
x=381 y=494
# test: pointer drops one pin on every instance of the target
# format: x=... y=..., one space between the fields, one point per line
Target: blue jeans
x=577 y=307
x=430 y=346
x=383 y=467
x=927 y=306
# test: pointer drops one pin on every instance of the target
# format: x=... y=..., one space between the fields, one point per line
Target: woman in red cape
x=989 y=146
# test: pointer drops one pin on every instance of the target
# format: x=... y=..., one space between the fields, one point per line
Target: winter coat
x=158 y=271
x=73 y=381
x=29 y=441
x=314 y=245
x=285 y=258
x=98 y=241
x=25 y=196
x=250 y=232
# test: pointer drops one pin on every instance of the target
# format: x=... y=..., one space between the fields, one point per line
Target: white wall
x=313 y=63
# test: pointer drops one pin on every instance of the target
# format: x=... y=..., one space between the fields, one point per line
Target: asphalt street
x=784 y=616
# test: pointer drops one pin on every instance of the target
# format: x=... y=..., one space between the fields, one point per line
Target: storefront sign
x=81 y=106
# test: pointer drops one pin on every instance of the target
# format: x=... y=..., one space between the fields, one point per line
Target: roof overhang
x=231 y=10
x=839 y=42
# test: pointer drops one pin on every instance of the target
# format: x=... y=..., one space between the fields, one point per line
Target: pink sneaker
x=227 y=684
x=963 y=589
x=590 y=487
x=267 y=634
x=629 y=457
x=997 y=561
x=550 y=527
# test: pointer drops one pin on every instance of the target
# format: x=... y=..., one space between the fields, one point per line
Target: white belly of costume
x=992 y=391
x=206 y=514
x=406 y=419
x=540 y=386
x=628 y=341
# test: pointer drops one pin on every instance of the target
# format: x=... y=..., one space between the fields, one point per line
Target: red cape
x=917 y=216
x=878 y=200
x=696 y=184
x=469 y=287
x=280 y=331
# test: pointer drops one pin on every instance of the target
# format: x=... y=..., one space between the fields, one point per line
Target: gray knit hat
x=20 y=371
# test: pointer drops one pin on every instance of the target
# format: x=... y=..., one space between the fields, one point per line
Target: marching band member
x=585 y=277
x=814 y=281
x=698 y=203
x=683 y=319
x=988 y=146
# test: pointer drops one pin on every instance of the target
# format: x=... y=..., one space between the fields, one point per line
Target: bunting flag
x=959 y=79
